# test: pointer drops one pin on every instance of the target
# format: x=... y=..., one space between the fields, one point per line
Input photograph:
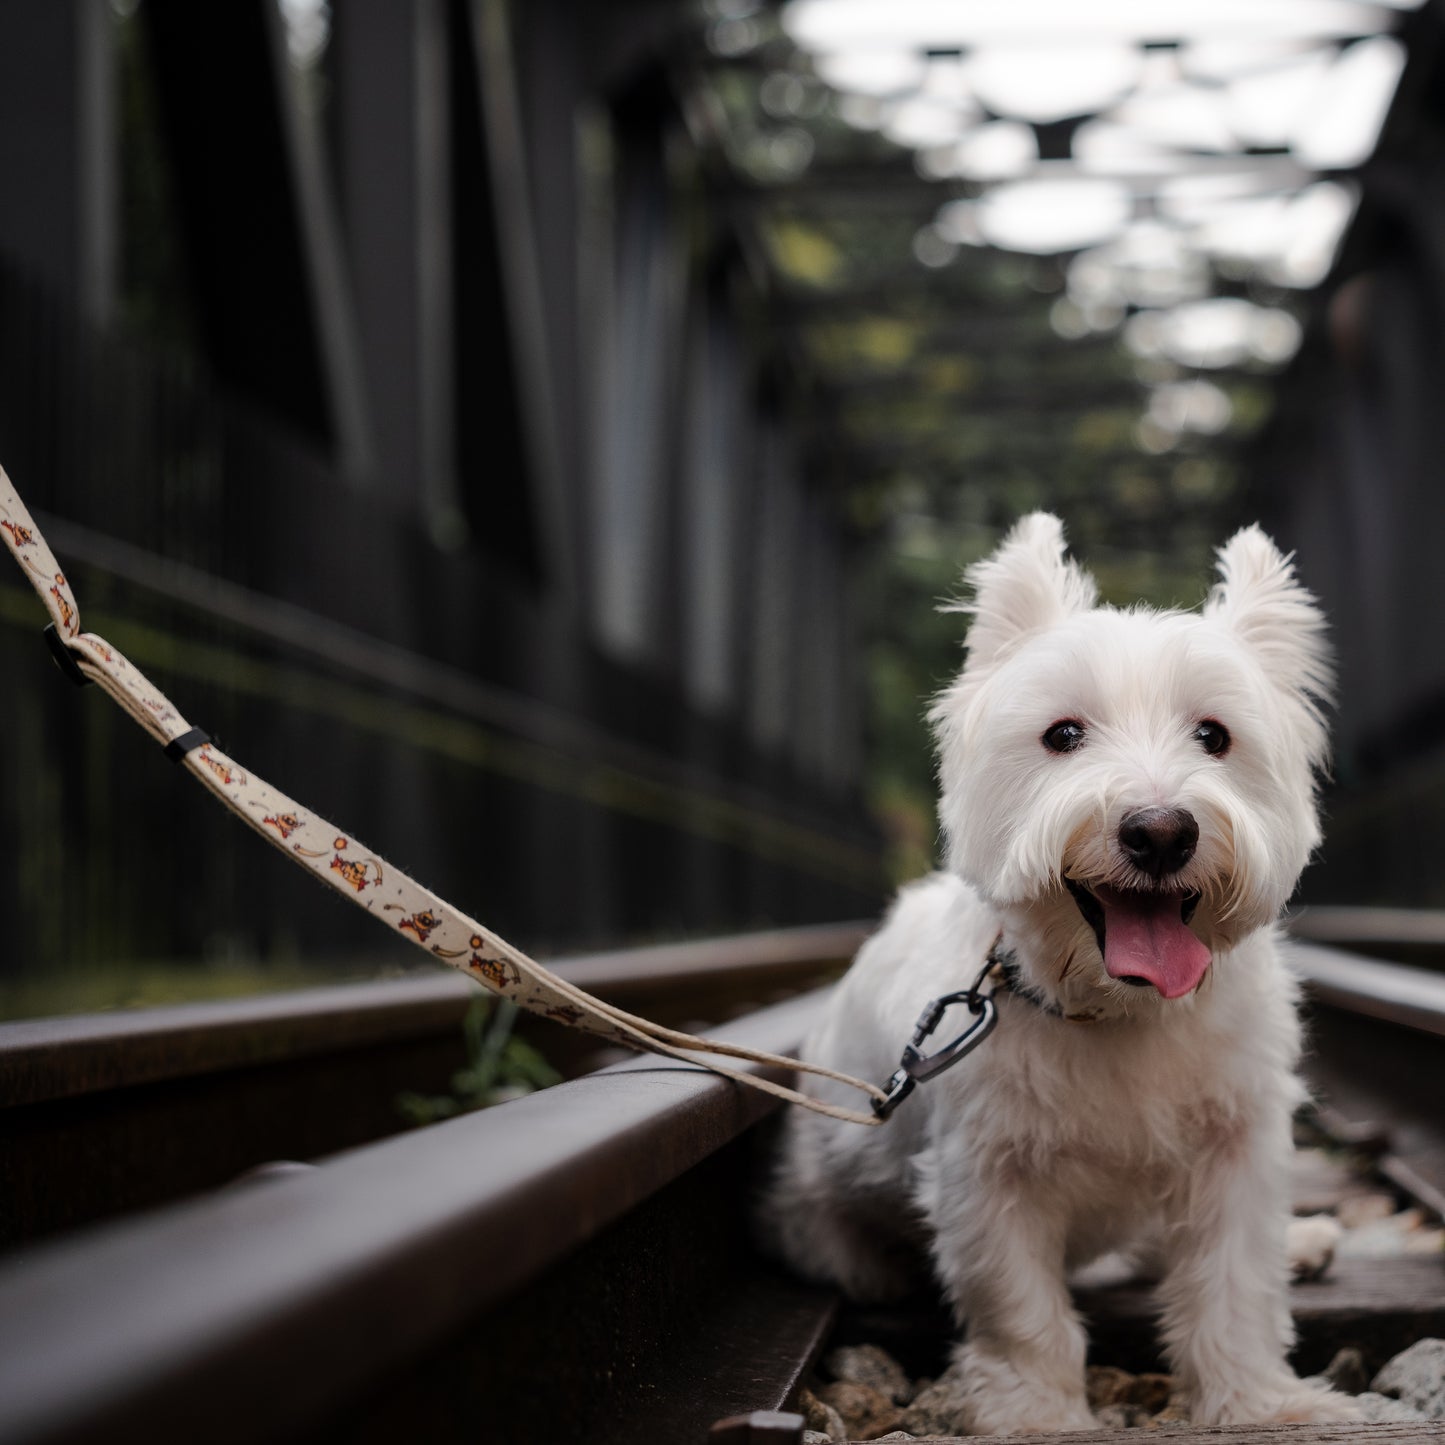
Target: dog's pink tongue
x=1144 y=937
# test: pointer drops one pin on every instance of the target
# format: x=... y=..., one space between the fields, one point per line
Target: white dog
x=1128 y=799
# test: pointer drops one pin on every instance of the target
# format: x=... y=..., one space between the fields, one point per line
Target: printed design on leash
x=473 y=944
x=284 y=823
x=160 y=708
x=502 y=973
x=69 y=619
x=421 y=924
x=224 y=769
x=358 y=873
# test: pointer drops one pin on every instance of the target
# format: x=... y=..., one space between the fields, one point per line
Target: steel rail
x=43 y=1059
x=267 y=1311
x=1376 y=1061
x=105 y=1113
x=1402 y=935
x=1395 y=993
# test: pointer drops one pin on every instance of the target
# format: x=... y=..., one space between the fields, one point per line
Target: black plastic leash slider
x=177 y=748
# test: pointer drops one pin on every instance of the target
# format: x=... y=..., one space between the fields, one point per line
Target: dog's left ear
x=1260 y=600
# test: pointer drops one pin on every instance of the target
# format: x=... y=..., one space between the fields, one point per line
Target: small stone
x=1151 y=1393
x=1319 y=1180
x=1120 y=1417
x=940 y=1408
x=897 y=1435
x=1416 y=1377
x=1176 y=1412
x=1362 y=1209
x=1312 y=1244
x=820 y=1417
x=1347 y=1373
x=866 y=1412
x=1106 y=1385
x=870 y=1365
x=1378 y=1409
x=1112 y=1271
x=816 y=1437
x=1379 y=1239
x=1400 y=1234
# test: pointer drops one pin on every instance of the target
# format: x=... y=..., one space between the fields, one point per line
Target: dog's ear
x=1024 y=587
x=1259 y=599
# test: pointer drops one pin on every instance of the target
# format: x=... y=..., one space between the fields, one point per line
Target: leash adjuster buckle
x=917 y=1067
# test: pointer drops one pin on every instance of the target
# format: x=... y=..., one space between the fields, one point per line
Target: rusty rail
x=113 y=1112
x=1400 y=935
x=1377 y=1061
x=376 y=1296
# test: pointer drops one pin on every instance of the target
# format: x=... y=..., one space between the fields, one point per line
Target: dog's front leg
x=1000 y=1255
x=1227 y=1329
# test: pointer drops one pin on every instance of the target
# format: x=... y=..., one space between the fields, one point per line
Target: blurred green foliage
x=500 y=1066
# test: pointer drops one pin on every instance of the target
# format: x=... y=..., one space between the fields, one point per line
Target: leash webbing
x=349 y=867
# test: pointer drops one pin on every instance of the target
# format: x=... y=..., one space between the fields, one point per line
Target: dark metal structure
x=399 y=405
x=456 y=407
x=1349 y=473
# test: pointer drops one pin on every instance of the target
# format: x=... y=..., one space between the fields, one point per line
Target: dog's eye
x=1213 y=737
x=1063 y=737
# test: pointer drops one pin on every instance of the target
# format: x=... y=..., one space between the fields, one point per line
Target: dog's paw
x=999 y=1399
x=1311 y=1243
x=1040 y=1417
x=1316 y=1406
x=1290 y=1402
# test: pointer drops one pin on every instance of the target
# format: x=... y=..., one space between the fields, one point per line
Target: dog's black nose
x=1159 y=841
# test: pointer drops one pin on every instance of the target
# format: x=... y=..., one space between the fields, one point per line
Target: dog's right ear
x=1261 y=601
x=1024 y=587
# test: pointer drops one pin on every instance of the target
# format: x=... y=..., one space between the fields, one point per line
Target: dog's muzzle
x=1144 y=935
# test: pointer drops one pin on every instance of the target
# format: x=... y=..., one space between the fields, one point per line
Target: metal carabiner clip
x=915 y=1067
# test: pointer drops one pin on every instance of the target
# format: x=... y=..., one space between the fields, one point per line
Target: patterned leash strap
x=353 y=870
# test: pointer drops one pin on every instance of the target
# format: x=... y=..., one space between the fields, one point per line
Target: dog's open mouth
x=1145 y=937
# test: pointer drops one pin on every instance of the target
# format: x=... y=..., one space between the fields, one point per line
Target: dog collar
x=1008 y=976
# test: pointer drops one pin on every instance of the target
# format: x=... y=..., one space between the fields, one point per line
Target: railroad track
x=574 y=1266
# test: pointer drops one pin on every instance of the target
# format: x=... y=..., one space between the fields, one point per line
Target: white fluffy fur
x=1139 y=1123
